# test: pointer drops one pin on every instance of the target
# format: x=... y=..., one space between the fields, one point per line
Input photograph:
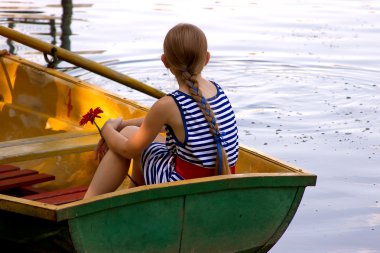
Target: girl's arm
x=136 y=122
x=131 y=122
x=150 y=128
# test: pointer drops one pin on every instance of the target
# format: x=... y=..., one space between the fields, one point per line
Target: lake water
x=303 y=78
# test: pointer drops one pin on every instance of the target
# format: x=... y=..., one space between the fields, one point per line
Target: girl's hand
x=114 y=123
x=102 y=147
x=101 y=150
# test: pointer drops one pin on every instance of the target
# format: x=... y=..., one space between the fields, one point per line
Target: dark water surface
x=303 y=77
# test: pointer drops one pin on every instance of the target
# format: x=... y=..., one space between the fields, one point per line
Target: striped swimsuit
x=158 y=160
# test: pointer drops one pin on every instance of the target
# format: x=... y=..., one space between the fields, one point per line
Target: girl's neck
x=183 y=86
x=208 y=89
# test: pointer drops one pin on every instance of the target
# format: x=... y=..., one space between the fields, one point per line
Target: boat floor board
x=60 y=196
x=30 y=190
x=64 y=199
x=57 y=193
x=45 y=146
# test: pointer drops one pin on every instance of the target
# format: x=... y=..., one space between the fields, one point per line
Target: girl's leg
x=137 y=173
x=109 y=175
x=114 y=168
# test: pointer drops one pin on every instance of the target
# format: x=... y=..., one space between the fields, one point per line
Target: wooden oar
x=80 y=61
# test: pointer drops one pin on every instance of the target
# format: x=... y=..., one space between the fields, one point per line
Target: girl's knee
x=129 y=131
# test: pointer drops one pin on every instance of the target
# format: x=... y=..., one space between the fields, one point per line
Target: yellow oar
x=80 y=61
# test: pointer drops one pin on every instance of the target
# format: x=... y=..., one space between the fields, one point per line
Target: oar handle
x=78 y=60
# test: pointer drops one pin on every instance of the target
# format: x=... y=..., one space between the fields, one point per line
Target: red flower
x=90 y=116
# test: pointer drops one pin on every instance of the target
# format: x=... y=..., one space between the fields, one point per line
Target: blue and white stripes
x=199 y=145
x=158 y=165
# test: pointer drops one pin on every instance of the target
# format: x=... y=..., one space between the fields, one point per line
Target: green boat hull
x=242 y=214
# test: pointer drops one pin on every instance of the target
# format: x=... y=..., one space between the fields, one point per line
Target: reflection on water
x=22 y=16
x=303 y=76
x=67 y=13
x=15 y=16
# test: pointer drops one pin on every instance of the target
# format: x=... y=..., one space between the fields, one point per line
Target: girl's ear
x=165 y=61
x=207 y=58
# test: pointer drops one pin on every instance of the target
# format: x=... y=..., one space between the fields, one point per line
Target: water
x=303 y=77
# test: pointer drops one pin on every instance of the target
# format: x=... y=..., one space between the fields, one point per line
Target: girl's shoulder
x=218 y=87
x=164 y=102
x=162 y=106
x=178 y=96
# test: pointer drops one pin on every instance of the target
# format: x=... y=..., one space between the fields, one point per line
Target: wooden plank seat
x=60 y=196
x=7 y=168
x=48 y=145
x=13 y=177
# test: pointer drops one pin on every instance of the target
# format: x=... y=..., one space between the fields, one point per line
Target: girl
x=201 y=132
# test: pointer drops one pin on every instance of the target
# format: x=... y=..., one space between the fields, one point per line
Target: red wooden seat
x=7 y=168
x=24 y=180
x=59 y=197
x=17 y=173
x=12 y=177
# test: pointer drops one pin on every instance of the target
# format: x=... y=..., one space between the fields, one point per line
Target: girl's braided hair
x=185 y=48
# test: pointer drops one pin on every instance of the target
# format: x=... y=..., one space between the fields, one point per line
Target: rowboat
x=39 y=113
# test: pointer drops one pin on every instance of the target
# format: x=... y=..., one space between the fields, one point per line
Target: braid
x=196 y=93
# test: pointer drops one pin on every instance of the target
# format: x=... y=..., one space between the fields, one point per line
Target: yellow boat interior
x=40 y=110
